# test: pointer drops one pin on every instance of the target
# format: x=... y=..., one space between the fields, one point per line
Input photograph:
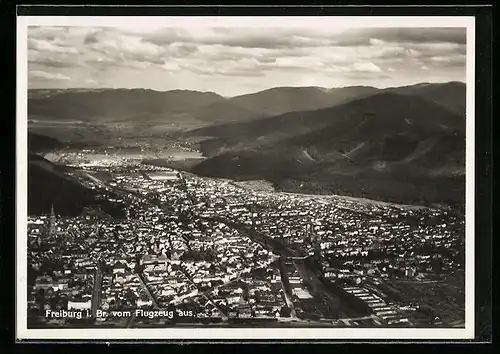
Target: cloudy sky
x=232 y=61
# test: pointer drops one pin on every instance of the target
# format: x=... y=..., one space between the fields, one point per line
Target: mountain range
x=404 y=144
x=389 y=146
x=176 y=106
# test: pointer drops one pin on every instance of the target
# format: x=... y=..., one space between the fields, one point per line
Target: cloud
x=53 y=60
x=103 y=47
x=452 y=61
x=47 y=32
x=210 y=71
x=375 y=41
x=366 y=75
x=43 y=45
x=366 y=67
x=54 y=63
x=179 y=50
x=267 y=38
x=139 y=47
x=38 y=74
x=245 y=67
x=267 y=53
x=129 y=50
x=266 y=60
x=91 y=38
x=403 y=35
x=422 y=35
x=103 y=63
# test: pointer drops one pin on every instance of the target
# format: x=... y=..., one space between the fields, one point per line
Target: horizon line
x=243 y=94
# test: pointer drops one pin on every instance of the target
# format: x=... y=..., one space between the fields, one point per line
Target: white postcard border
x=23 y=333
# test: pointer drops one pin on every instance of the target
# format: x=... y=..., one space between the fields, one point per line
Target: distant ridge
x=281 y=100
x=450 y=95
x=321 y=88
x=383 y=104
x=388 y=146
x=400 y=144
x=205 y=108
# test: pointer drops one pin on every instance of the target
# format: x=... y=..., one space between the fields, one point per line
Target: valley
x=394 y=145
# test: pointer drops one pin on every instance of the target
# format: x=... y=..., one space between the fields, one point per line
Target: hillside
x=349 y=124
x=178 y=106
x=449 y=95
x=42 y=143
x=197 y=109
x=225 y=111
x=385 y=146
x=137 y=105
x=281 y=100
x=49 y=185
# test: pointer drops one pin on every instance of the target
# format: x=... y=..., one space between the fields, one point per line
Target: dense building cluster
x=216 y=250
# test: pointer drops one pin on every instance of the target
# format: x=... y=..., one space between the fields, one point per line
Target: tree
x=285 y=311
x=257 y=296
x=245 y=294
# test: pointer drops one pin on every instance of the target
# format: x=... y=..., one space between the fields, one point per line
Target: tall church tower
x=307 y=234
x=52 y=221
x=316 y=243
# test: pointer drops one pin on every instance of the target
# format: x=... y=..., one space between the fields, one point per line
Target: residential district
x=187 y=250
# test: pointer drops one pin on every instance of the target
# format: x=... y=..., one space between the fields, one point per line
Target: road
x=131 y=320
x=198 y=293
x=204 y=294
x=271 y=244
x=191 y=294
x=320 y=291
x=144 y=286
x=121 y=192
x=309 y=276
x=96 y=292
x=286 y=289
x=155 y=304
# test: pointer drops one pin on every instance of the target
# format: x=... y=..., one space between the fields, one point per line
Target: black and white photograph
x=245 y=177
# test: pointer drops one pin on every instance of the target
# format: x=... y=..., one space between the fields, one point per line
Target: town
x=216 y=252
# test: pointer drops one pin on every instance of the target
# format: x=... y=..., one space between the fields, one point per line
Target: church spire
x=52 y=222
